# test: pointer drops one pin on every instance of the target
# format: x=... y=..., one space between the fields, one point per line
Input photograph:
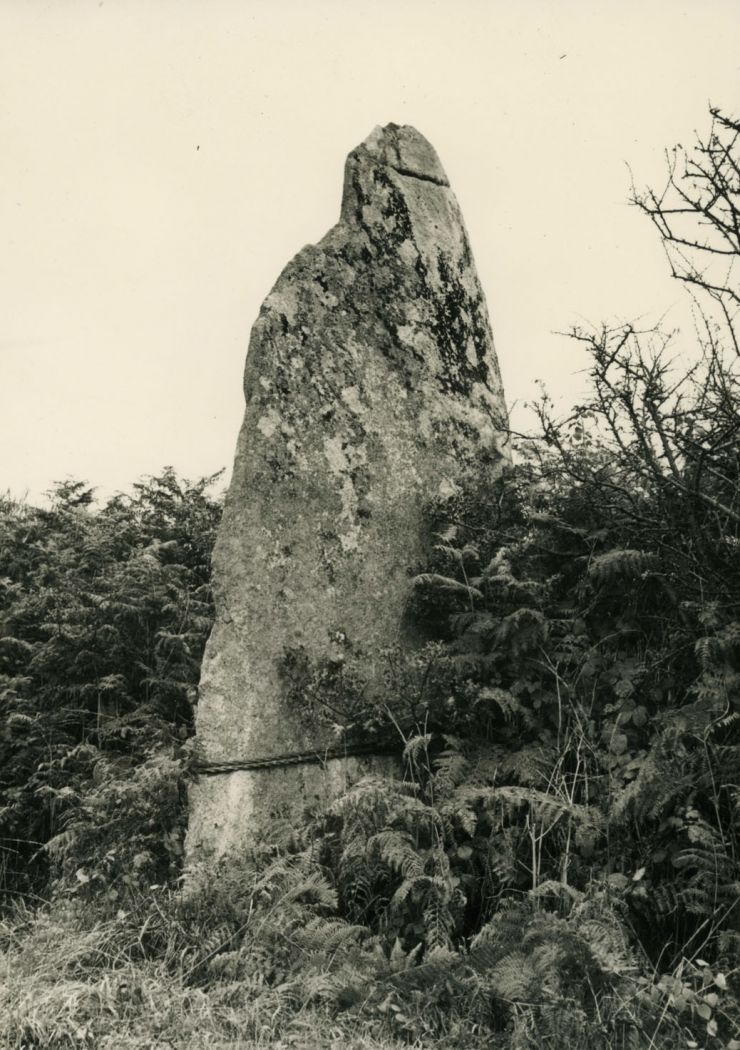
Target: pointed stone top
x=404 y=149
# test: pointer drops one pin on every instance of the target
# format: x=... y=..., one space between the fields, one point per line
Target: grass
x=75 y=978
x=68 y=983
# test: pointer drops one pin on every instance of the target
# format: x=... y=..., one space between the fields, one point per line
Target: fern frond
x=521 y=631
x=59 y=845
x=313 y=889
x=219 y=939
x=620 y=564
x=514 y=978
x=528 y=765
x=506 y=702
x=447 y=584
x=561 y=890
x=396 y=849
x=416 y=747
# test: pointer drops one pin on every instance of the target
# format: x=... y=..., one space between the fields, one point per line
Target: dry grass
x=67 y=987
x=73 y=980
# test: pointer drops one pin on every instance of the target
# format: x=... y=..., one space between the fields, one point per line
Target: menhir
x=372 y=389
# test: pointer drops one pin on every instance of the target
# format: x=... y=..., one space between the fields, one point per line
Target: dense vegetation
x=104 y=617
x=560 y=863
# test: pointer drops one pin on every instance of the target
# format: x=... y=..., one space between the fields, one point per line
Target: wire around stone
x=293 y=758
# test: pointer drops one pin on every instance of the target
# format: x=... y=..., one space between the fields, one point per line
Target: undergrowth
x=259 y=954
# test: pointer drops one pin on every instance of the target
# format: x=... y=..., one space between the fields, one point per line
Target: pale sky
x=162 y=161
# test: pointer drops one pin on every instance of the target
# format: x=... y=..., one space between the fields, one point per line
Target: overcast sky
x=162 y=161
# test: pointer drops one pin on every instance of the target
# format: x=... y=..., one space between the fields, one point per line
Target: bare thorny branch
x=657 y=432
x=697 y=215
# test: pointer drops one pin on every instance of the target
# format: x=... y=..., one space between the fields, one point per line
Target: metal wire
x=202 y=767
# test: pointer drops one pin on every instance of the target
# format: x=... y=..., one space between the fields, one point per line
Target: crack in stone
x=417 y=175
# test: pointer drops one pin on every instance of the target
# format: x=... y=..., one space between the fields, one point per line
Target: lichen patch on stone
x=269 y=423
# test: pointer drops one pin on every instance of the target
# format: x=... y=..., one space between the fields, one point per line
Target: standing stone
x=371 y=387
